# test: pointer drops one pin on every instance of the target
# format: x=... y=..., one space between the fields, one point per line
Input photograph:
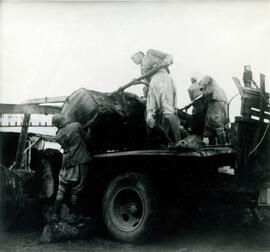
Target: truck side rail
x=203 y=152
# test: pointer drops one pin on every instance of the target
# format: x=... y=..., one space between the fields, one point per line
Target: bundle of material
x=116 y=121
x=191 y=142
x=18 y=195
x=66 y=228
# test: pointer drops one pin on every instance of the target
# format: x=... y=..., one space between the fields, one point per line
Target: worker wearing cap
x=137 y=58
x=74 y=170
x=217 y=117
x=161 y=96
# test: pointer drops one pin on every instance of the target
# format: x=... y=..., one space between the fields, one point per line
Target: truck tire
x=130 y=210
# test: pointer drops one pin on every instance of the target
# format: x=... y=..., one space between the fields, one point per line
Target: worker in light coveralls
x=72 y=138
x=161 y=93
x=217 y=117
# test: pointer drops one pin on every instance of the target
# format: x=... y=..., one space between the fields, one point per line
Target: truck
x=134 y=184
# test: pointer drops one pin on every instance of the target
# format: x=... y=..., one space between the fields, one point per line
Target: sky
x=54 y=48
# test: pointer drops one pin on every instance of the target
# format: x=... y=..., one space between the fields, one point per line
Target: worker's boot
x=160 y=131
x=221 y=138
x=56 y=211
x=183 y=132
x=74 y=216
x=174 y=123
x=212 y=140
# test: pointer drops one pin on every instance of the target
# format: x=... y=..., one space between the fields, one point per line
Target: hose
x=259 y=143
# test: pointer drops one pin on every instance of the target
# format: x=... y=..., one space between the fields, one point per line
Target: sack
x=64 y=229
x=190 y=142
x=117 y=122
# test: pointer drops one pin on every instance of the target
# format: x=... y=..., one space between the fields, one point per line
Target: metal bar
x=3 y=125
x=2 y=168
x=28 y=155
x=46 y=137
x=22 y=142
x=27 y=109
x=203 y=152
x=262 y=101
x=255 y=94
x=238 y=85
x=138 y=80
x=262 y=117
x=191 y=104
x=263 y=104
x=56 y=99
x=262 y=83
x=30 y=145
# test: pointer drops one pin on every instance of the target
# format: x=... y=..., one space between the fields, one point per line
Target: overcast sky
x=54 y=48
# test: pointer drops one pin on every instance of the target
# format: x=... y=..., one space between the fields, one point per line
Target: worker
x=217 y=117
x=194 y=89
x=199 y=105
x=137 y=58
x=72 y=138
x=247 y=76
x=161 y=93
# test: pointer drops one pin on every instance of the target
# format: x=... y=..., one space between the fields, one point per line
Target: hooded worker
x=199 y=105
x=161 y=97
x=217 y=117
x=194 y=89
x=72 y=138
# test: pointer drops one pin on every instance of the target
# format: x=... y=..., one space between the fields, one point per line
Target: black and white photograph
x=134 y=125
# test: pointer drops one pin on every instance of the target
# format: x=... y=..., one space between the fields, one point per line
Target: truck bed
x=207 y=151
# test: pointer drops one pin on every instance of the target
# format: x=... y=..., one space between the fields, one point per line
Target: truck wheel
x=130 y=210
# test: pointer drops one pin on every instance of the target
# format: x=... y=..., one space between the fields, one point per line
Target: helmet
x=58 y=120
x=195 y=76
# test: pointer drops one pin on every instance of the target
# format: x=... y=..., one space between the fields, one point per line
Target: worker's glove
x=165 y=64
x=169 y=59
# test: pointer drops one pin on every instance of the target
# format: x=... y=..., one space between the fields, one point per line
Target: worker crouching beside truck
x=74 y=170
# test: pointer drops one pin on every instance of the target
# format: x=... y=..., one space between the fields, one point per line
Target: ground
x=206 y=226
x=197 y=237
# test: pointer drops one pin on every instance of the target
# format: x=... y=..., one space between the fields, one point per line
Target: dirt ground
x=205 y=227
x=193 y=238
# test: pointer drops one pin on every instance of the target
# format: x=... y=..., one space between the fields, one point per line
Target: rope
x=230 y=104
x=259 y=143
x=3 y=166
x=233 y=98
x=264 y=134
x=266 y=129
x=30 y=146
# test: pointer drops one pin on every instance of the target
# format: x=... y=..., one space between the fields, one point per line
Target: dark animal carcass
x=117 y=122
